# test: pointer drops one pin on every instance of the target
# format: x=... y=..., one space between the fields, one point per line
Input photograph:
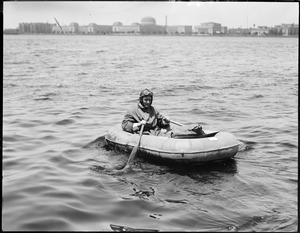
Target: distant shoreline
x=223 y=35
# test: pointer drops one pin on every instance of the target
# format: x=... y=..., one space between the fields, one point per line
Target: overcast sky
x=230 y=14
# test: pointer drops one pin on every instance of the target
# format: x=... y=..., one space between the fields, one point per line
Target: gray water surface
x=62 y=92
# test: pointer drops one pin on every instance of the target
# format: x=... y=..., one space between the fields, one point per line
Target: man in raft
x=145 y=114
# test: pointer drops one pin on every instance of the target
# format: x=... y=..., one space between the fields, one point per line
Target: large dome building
x=117 y=24
x=148 y=21
x=148 y=26
x=74 y=25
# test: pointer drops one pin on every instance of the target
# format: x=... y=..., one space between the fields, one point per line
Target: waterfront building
x=119 y=28
x=41 y=27
x=147 y=26
x=74 y=27
x=224 y=30
x=239 y=31
x=99 y=29
x=92 y=28
x=35 y=28
x=56 y=29
x=205 y=30
x=276 y=30
x=148 y=21
x=179 y=30
x=152 y=29
x=117 y=23
x=116 y=27
x=83 y=29
x=290 y=29
x=104 y=29
x=209 y=28
x=24 y=28
x=12 y=31
x=62 y=30
x=260 y=31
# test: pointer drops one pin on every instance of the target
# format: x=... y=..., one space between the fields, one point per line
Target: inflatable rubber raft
x=214 y=146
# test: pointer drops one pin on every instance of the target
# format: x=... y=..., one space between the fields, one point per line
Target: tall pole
x=247 y=16
x=166 y=24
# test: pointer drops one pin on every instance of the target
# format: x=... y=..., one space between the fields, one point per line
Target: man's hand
x=167 y=120
x=137 y=125
x=142 y=122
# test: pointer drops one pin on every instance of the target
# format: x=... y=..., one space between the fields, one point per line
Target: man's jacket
x=137 y=113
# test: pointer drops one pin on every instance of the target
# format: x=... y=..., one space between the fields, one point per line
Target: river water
x=62 y=92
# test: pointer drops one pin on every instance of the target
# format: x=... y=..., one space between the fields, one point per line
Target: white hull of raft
x=221 y=146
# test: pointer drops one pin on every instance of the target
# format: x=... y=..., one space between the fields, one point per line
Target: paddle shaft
x=176 y=123
x=135 y=149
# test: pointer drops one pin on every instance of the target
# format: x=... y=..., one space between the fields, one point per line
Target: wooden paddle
x=135 y=149
x=208 y=133
x=176 y=123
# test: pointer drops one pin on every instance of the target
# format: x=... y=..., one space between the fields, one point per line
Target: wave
x=10 y=85
x=245 y=146
x=256 y=96
x=101 y=51
x=65 y=122
x=42 y=98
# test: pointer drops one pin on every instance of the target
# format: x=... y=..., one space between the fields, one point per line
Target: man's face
x=147 y=101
